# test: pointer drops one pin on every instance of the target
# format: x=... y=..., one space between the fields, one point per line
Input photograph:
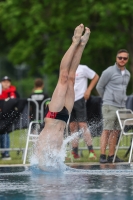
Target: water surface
x=97 y=182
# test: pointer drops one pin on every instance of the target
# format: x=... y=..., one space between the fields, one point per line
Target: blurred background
x=34 y=35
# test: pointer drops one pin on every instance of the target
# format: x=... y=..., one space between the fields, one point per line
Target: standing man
x=78 y=118
x=112 y=87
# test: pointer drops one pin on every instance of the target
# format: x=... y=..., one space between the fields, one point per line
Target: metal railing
x=39 y=117
x=24 y=117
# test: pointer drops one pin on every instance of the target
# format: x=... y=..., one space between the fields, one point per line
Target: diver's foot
x=77 y=34
x=85 y=37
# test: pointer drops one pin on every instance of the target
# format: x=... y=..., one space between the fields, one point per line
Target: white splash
x=52 y=157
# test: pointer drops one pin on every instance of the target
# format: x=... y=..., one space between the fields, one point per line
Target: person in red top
x=8 y=91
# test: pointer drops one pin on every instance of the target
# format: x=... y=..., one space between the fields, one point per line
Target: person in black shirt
x=38 y=95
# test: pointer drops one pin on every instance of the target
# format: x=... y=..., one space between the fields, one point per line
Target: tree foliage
x=38 y=32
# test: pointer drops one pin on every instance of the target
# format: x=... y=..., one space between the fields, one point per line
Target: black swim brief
x=62 y=115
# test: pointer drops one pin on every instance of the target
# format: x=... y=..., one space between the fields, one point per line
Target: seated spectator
x=8 y=91
x=38 y=95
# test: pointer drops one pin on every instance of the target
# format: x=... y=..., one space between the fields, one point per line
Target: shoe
x=75 y=155
x=92 y=156
x=6 y=157
x=110 y=159
x=103 y=158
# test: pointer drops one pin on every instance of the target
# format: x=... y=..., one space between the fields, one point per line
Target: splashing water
x=53 y=158
x=72 y=137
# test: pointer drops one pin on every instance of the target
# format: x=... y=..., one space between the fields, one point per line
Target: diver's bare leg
x=68 y=56
x=75 y=62
x=58 y=98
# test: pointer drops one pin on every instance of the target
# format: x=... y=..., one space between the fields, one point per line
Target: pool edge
x=69 y=164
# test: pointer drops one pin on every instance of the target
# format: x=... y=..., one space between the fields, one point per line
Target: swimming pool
x=82 y=182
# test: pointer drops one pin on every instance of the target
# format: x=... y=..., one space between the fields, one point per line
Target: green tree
x=38 y=32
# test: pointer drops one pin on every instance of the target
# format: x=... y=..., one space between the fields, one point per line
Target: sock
x=90 y=148
x=75 y=150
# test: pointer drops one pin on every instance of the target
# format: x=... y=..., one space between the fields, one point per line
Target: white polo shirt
x=83 y=73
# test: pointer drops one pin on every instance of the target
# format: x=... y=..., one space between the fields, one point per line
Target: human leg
x=73 y=125
x=78 y=122
x=82 y=117
x=5 y=143
x=103 y=145
x=88 y=139
x=77 y=114
x=112 y=145
x=69 y=99
x=105 y=134
x=86 y=133
x=110 y=133
x=113 y=138
x=104 y=141
x=59 y=96
x=74 y=128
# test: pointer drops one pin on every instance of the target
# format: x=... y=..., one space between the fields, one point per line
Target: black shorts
x=79 y=113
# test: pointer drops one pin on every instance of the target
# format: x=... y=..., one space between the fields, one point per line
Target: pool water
x=88 y=182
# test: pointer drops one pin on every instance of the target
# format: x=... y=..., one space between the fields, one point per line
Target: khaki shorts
x=110 y=121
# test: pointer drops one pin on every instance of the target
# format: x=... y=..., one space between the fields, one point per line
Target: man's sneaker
x=103 y=158
x=110 y=159
x=6 y=157
x=92 y=156
x=75 y=155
